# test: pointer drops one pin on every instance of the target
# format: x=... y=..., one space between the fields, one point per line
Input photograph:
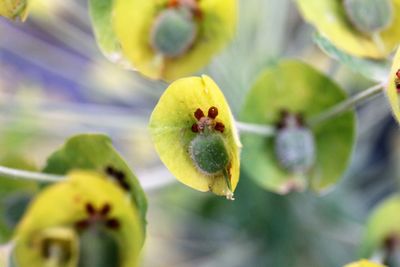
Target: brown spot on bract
x=119 y=175
x=77 y=199
x=299 y=119
x=109 y=170
x=173 y=3
x=105 y=209
x=82 y=224
x=90 y=209
x=112 y=223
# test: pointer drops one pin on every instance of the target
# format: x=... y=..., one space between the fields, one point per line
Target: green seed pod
x=369 y=16
x=173 y=32
x=295 y=149
x=209 y=154
x=98 y=248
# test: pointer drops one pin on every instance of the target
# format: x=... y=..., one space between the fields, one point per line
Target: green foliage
x=377 y=70
x=101 y=15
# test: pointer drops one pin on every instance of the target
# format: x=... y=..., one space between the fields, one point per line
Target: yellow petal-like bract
x=364 y=263
x=13 y=9
x=57 y=210
x=170 y=127
x=391 y=89
x=133 y=21
x=329 y=17
x=383 y=223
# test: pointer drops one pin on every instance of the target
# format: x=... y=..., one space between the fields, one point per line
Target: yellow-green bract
x=364 y=263
x=171 y=130
x=133 y=22
x=297 y=88
x=330 y=19
x=383 y=223
x=391 y=87
x=13 y=9
x=50 y=229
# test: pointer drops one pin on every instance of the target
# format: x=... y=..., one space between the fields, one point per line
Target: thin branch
x=28 y=175
x=264 y=130
x=346 y=105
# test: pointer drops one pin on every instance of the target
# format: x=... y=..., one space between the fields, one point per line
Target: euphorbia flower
x=364 y=28
x=14 y=9
x=382 y=232
x=299 y=155
x=77 y=222
x=393 y=86
x=96 y=152
x=194 y=134
x=364 y=263
x=169 y=39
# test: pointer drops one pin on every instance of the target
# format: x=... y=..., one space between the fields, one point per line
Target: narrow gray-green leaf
x=377 y=70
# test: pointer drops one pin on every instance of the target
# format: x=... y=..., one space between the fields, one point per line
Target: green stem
x=333 y=112
x=264 y=130
x=346 y=105
x=28 y=175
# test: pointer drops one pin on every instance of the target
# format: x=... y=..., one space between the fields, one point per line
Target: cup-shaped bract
x=339 y=21
x=393 y=86
x=52 y=229
x=170 y=39
x=193 y=130
x=383 y=226
x=14 y=9
x=96 y=152
x=364 y=263
x=292 y=87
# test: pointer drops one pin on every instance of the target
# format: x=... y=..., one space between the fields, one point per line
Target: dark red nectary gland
x=220 y=127
x=198 y=114
x=195 y=128
x=105 y=209
x=213 y=112
x=398 y=73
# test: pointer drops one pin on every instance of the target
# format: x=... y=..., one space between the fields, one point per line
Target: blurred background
x=55 y=83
